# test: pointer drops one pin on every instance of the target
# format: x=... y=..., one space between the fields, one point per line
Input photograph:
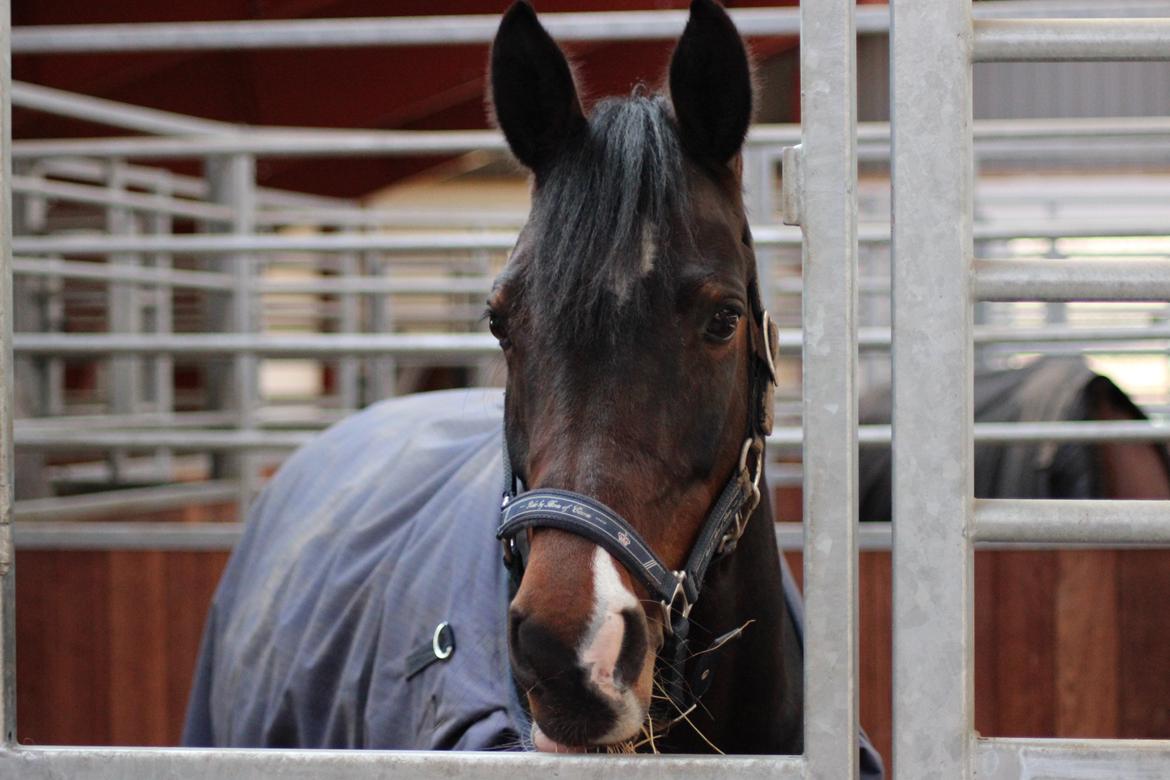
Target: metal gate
x=935 y=282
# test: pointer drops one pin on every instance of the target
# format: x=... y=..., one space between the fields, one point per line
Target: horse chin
x=628 y=716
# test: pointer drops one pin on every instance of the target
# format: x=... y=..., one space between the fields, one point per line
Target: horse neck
x=755 y=701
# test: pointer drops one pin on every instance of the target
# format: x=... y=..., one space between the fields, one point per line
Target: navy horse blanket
x=365 y=541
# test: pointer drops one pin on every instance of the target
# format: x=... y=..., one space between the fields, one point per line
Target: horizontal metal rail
x=393 y=31
x=996 y=139
x=1008 y=40
x=217 y=536
x=128 y=535
x=109 y=502
x=468 y=29
x=445 y=345
x=58 y=102
x=1072 y=280
x=185 y=440
x=766 y=235
x=1072 y=521
x=788 y=437
x=1077 y=759
x=50 y=763
x=109 y=272
x=102 y=196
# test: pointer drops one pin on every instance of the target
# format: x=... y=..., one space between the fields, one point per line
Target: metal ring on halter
x=668 y=606
x=765 y=326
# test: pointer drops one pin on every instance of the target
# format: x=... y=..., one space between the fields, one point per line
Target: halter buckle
x=668 y=607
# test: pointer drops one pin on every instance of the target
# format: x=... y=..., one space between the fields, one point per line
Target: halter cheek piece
x=675 y=591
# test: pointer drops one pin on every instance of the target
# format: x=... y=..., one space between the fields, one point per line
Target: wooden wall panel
x=106 y=643
x=1071 y=643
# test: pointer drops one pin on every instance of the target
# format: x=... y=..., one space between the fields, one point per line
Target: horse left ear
x=711 y=84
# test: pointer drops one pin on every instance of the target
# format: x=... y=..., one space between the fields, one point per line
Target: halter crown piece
x=675 y=591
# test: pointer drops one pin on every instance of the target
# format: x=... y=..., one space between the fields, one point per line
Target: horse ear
x=535 y=99
x=711 y=84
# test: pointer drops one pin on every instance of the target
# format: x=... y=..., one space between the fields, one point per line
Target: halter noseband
x=675 y=591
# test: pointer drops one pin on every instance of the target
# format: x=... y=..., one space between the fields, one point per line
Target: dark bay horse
x=644 y=604
x=631 y=321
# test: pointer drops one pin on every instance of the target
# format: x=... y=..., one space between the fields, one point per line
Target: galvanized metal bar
x=109 y=502
x=185 y=440
x=998 y=138
x=1072 y=280
x=420 y=345
x=1102 y=340
x=1071 y=522
x=7 y=404
x=503 y=240
x=464 y=29
x=394 y=31
x=81 y=193
x=1075 y=759
x=828 y=212
x=232 y=181
x=74 y=105
x=783 y=438
x=132 y=535
x=1066 y=40
x=203 y=536
x=932 y=364
x=52 y=763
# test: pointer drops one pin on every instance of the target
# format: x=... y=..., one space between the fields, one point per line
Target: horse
x=639 y=602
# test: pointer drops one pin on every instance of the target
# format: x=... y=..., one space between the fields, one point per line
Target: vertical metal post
x=7 y=553
x=163 y=380
x=348 y=367
x=382 y=373
x=232 y=181
x=828 y=210
x=932 y=172
x=123 y=314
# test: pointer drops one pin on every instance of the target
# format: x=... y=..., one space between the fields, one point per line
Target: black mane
x=620 y=184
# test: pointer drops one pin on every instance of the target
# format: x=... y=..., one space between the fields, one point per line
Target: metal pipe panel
x=1072 y=280
x=52 y=763
x=1072 y=521
x=1017 y=40
x=933 y=376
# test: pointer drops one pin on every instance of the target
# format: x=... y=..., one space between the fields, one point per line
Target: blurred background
x=229 y=236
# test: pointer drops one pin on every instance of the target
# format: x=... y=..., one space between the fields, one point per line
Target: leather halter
x=675 y=591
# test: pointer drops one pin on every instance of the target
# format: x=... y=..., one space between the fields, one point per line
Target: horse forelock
x=601 y=221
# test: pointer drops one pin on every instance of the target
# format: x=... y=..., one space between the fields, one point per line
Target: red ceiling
x=410 y=87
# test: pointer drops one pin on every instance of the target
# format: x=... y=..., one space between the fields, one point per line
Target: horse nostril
x=537 y=654
x=633 y=652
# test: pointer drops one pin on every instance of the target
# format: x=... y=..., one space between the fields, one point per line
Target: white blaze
x=602 y=644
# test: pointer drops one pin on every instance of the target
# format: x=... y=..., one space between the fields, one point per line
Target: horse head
x=630 y=318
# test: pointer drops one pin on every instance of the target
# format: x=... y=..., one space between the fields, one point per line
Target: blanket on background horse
x=364 y=542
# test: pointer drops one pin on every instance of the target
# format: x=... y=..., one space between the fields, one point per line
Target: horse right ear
x=535 y=99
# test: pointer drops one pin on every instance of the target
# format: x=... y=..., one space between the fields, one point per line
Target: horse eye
x=723 y=325
x=496 y=326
